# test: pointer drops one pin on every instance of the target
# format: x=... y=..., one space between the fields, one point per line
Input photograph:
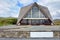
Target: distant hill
x=57 y=21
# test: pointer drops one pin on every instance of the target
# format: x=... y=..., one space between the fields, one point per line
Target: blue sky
x=12 y=7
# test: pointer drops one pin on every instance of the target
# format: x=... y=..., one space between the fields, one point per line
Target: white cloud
x=58 y=11
x=26 y=2
x=44 y=2
x=53 y=5
x=8 y=8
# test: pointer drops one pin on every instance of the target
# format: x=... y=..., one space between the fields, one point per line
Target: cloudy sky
x=11 y=8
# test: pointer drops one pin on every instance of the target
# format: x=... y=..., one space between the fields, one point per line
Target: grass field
x=7 y=21
x=57 y=22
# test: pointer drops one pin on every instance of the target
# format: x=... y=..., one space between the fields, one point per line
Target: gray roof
x=25 y=9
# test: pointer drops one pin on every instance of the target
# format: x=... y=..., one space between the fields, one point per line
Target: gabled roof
x=25 y=9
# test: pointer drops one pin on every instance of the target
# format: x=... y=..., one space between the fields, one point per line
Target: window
x=33 y=17
x=35 y=22
x=41 y=34
x=34 y=13
x=42 y=21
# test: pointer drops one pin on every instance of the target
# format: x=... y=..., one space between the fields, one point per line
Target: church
x=34 y=14
x=34 y=21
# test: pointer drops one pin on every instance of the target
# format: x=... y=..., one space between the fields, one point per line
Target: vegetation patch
x=7 y=21
x=57 y=22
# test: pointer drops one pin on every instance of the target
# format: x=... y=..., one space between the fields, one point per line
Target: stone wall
x=57 y=34
x=15 y=34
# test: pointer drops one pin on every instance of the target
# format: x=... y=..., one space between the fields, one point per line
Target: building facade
x=34 y=14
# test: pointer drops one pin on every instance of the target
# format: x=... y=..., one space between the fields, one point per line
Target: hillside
x=57 y=22
x=7 y=21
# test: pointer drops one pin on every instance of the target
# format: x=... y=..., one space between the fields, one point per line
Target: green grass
x=57 y=22
x=7 y=21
